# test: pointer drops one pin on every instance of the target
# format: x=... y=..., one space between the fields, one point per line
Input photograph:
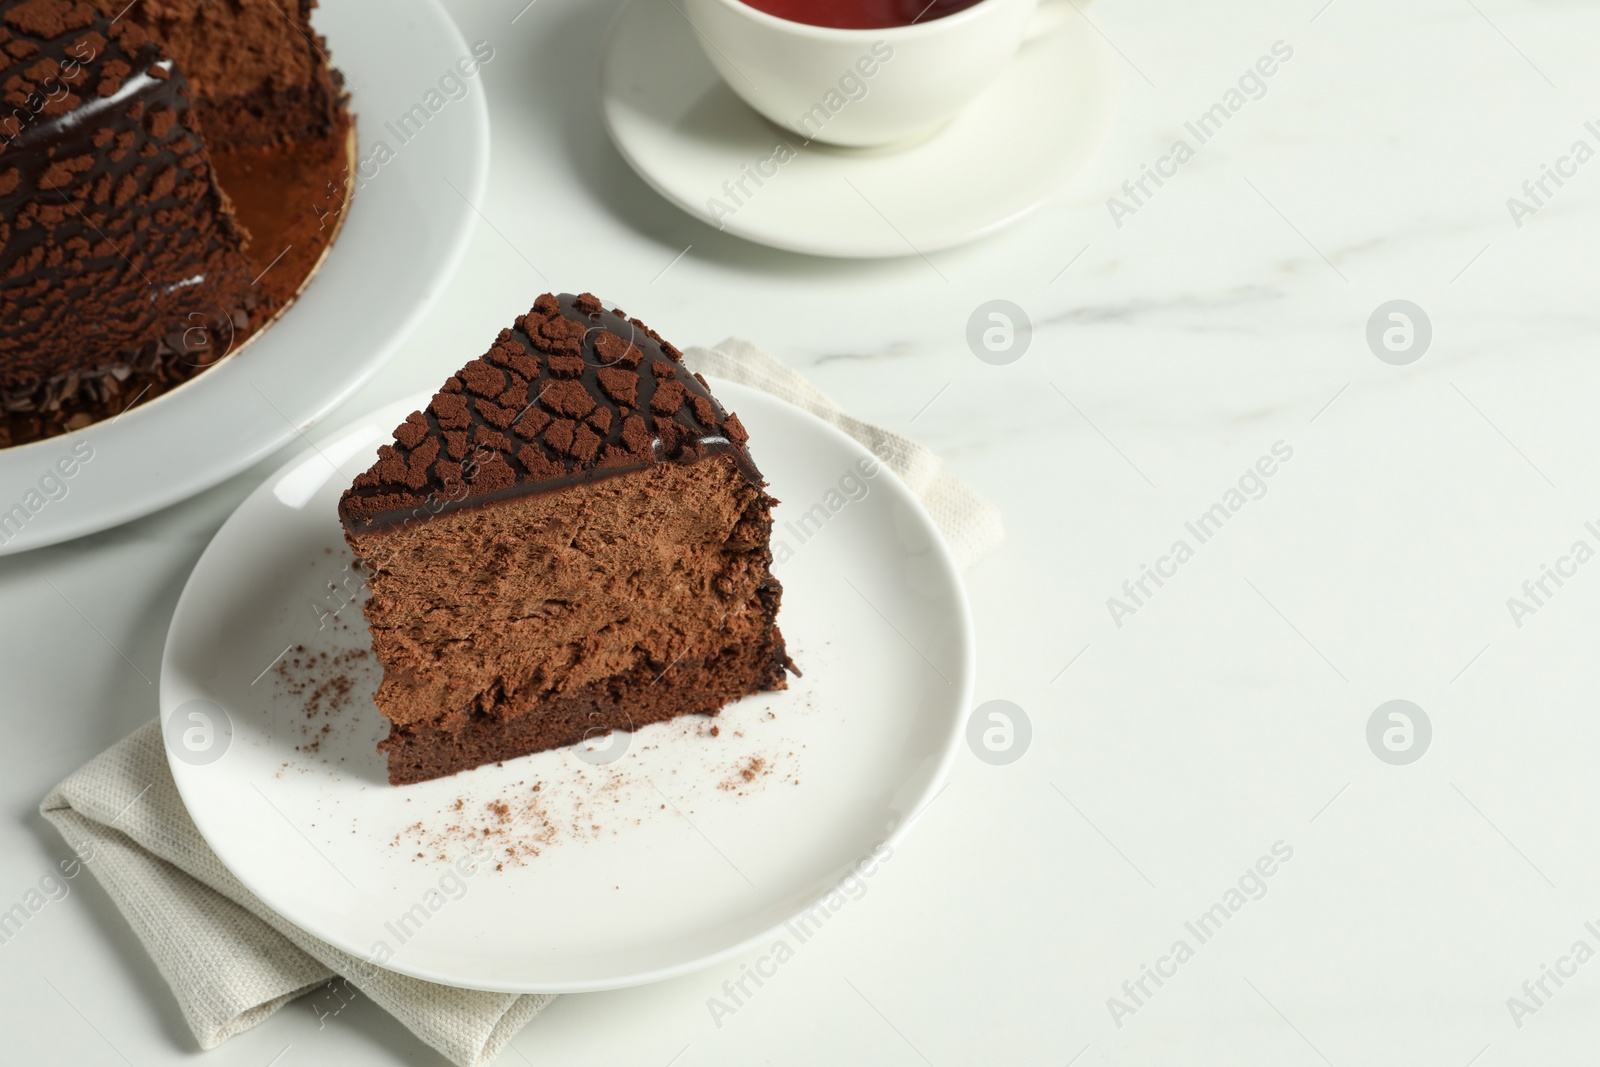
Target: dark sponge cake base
x=691 y=686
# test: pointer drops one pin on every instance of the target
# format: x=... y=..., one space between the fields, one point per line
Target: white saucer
x=686 y=133
x=405 y=233
x=674 y=860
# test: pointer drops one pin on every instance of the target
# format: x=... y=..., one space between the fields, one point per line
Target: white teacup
x=865 y=87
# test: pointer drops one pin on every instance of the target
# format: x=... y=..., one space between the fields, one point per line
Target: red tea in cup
x=860 y=14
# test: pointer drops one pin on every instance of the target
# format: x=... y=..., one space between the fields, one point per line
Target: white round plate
x=665 y=860
x=405 y=233
x=687 y=134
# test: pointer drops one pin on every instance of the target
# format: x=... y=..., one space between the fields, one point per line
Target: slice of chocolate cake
x=571 y=539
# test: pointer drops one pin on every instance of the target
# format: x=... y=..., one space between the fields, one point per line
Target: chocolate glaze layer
x=571 y=393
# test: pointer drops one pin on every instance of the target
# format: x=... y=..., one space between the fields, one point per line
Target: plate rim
x=796 y=241
x=965 y=661
x=24 y=460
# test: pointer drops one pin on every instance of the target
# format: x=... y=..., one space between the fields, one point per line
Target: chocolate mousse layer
x=261 y=73
x=572 y=538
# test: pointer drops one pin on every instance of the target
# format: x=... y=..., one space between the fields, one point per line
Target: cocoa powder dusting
x=324 y=686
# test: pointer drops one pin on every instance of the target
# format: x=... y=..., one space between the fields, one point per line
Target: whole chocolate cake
x=572 y=538
x=162 y=167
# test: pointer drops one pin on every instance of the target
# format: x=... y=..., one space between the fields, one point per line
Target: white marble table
x=1226 y=714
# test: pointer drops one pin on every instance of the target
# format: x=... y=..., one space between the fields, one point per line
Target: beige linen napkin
x=969 y=523
x=230 y=960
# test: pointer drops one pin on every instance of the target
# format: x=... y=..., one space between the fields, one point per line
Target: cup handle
x=1048 y=16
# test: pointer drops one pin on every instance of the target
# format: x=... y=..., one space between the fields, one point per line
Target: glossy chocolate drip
x=155 y=87
x=468 y=449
